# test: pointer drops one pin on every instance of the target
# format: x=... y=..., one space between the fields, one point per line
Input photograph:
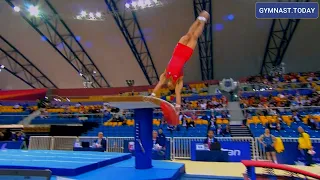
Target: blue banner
x=165 y=154
x=237 y=151
x=292 y=155
x=11 y=145
x=287 y=10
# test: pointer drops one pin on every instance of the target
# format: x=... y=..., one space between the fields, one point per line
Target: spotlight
x=16 y=9
x=141 y=3
x=148 y=2
x=94 y=72
x=98 y=14
x=33 y=10
x=2 y=66
x=127 y=5
x=134 y=4
x=83 y=13
x=130 y=83
x=91 y=15
x=80 y=74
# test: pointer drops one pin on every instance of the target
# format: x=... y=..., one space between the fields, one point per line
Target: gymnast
x=173 y=74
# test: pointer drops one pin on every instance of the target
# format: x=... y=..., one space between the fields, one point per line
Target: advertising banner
x=11 y=145
x=292 y=155
x=237 y=151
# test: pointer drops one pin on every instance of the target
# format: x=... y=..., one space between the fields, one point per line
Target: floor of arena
x=69 y=165
x=229 y=169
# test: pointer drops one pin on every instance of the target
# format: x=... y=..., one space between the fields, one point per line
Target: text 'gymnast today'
x=287 y=10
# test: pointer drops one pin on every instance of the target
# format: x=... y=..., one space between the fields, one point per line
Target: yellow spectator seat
x=205 y=122
x=198 y=121
x=250 y=121
x=225 y=121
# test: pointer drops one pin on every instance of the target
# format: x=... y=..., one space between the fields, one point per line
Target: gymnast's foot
x=205 y=14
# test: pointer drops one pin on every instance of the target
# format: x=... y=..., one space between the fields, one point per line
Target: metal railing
x=260 y=151
x=247 y=87
x=179 y=146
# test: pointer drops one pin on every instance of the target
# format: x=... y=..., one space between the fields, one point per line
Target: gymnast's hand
x=177 y=107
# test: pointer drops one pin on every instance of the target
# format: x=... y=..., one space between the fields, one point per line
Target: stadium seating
x=188 y=90
x=11 y=113
x=55 y=114
x=298 y=96
x=272 y=92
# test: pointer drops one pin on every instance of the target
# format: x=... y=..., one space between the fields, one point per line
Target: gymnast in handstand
x=173 y=74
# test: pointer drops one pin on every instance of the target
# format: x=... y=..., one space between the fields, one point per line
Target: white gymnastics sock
x=201 y=18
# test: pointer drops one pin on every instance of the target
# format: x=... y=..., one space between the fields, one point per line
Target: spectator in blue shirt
x=101 y=141
x=162 y=138
x=296 y=117
x=20 y=136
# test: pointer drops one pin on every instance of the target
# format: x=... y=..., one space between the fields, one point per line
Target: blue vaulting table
x=213 y=156
x=88 y=149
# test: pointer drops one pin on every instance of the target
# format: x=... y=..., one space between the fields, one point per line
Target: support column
x=143 y=138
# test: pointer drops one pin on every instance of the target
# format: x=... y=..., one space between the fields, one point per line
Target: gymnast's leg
x=196 y=29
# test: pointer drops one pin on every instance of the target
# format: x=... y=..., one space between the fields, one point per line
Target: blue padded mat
x=62 y=163
x=125 y=170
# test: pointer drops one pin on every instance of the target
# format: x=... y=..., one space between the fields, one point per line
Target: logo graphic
x=200 y=147
x=3 y=147
x=234 y=152
x=131 y=146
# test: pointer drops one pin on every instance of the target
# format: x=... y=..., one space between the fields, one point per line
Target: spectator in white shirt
x=203 y=105
x=17 y=106
x=78 y=105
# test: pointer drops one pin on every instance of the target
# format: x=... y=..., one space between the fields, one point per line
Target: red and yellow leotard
x=180 y=56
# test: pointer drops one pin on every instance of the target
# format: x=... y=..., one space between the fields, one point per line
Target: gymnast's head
x=170 y=85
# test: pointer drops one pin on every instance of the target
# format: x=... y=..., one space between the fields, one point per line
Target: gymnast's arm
x=161 y=82
x=178 y=90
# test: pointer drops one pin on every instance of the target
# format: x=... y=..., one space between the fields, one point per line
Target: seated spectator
x=225 y=115
x=296 y=117
x=156 y=144
x=219 y=130
x=162 y=138
x=212 y=124
x=171 y=128
x=279 y=128
x=78 y=105
x=17 y=106
x=226 y=131
x=8 y=135
x=191 y=123
x=2 y=136
x=203 y=105
x=124 y=122
x=210 y=138
x=13 y=136
x=272 y=112
x=313 y=123
x=100 y=142
x=77 y=144
x=20 y=136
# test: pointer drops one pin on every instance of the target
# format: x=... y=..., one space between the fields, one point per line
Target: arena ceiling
x=239 y=42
